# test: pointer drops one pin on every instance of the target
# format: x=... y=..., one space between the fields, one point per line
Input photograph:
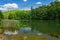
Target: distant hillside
x=6 y=13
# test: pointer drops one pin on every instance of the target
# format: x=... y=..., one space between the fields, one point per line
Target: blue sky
x=22 y=4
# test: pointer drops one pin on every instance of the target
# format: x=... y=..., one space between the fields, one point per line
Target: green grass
x=29 y=37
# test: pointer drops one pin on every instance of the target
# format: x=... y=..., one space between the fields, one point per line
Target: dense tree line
x=17 y=14
x=50 y=11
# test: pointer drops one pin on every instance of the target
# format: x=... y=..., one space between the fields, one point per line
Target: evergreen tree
x=1 y=15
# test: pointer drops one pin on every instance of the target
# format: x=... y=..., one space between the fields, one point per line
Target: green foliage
x=50 y=11
x=1 y=15
x=17 y=14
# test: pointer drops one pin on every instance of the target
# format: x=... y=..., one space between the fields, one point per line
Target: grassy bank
x=29 y=37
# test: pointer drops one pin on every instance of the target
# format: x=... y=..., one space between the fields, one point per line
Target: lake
x=39 y=29
x=45 y=26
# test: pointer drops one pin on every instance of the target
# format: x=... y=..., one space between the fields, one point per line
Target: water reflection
x=25 y=30
x=28 y=30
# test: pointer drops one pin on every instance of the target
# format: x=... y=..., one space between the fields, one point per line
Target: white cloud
x=25 y=0
x=38 y=2
x=3 y=9
x=59 y=0
x=8 y=6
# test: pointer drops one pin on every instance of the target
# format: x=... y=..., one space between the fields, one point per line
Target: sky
x=22 y=4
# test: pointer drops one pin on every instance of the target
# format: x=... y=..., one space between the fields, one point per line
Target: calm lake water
x=46 y=26
x=43 y=27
